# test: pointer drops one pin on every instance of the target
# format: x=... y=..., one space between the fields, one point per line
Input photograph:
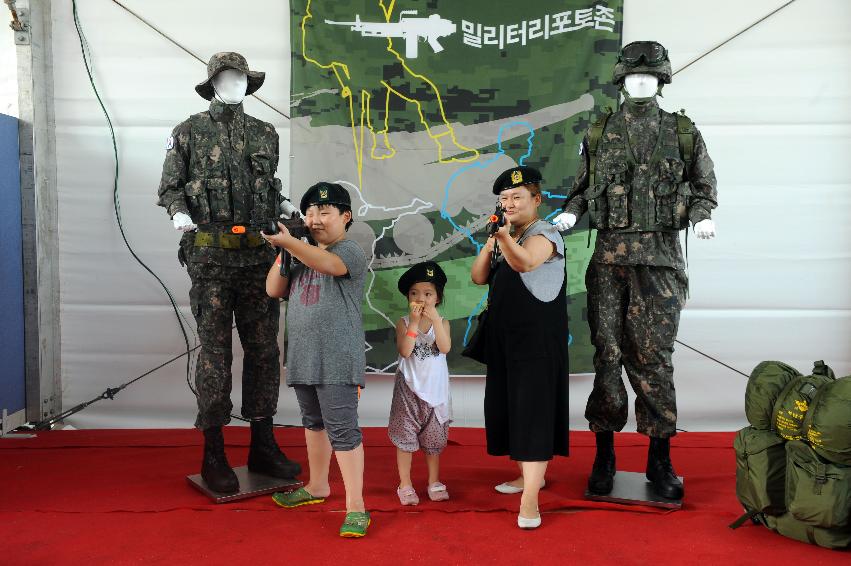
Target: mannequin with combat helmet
x=644 y=174
x=219 y=188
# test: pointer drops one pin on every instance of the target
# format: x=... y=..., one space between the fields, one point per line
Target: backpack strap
x=593 y=142
x=685 y=136
x=754 y=517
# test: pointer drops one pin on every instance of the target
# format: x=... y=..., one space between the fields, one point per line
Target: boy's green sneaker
x=355 y=524
x=295 y=498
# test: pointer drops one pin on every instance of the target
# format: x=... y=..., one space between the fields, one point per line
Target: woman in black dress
x=526 y=397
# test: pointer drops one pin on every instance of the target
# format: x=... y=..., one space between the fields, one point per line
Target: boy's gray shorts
x=333 y=408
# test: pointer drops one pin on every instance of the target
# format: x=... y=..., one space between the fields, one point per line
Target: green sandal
x=295 y=498
x=355 y=524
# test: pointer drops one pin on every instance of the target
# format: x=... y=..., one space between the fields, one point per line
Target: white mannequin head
x=230 y=85
x=641 y=85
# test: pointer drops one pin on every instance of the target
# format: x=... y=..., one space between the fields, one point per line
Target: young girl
x=419 y=413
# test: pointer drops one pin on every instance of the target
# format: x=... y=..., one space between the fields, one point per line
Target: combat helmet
x=643 y=57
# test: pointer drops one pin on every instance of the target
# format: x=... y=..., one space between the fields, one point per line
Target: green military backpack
x=760 y=473
x=827 y=425
x=784 y=485
x=760 y=451
x=818 y=499
x=765 y=384
x=790 y=527
x=794 y=401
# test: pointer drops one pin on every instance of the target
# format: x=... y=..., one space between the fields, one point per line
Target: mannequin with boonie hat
x=218 y=180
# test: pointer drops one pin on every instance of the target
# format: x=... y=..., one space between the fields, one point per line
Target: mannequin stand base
x=632 y=488
x=250 y=485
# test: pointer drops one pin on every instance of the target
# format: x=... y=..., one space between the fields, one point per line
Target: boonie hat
x=229 y=60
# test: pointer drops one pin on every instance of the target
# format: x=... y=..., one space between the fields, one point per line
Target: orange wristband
x=411 y=334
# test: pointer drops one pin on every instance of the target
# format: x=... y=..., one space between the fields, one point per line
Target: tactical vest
x=227 y=186
x=627 y=196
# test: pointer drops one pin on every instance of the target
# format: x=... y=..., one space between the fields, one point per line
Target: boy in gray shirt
x=325 y=351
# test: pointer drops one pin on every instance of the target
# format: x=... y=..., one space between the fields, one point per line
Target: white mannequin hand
x=705 y=229
x=564 y=221
x=183 y=222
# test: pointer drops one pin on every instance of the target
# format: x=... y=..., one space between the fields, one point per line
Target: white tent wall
x=773 y=104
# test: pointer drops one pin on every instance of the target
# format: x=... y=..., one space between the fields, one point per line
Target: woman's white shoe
x=506 y=487
x=525 y=523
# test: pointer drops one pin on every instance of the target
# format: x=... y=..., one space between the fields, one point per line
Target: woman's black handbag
x=477 y=345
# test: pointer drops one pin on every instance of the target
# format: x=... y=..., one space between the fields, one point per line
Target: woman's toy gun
x=496 y=221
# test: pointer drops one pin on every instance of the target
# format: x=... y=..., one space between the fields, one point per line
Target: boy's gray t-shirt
x=544 y=282
x=324 y=324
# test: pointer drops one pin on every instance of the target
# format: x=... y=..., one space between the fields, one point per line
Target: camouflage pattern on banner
x=415 y=106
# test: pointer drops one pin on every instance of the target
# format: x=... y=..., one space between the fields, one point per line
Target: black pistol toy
x=496 y=221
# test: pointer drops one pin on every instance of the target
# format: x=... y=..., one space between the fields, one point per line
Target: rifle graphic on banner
x=411 y=29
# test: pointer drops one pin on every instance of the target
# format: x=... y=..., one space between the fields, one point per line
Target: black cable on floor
x=116 y=202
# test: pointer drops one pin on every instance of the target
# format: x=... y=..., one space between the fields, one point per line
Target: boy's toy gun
x=411 y=29
x=294 y=222
x=289 y=216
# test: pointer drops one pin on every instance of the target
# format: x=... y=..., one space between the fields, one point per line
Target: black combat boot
x=603 y=472
x=663 y=479
x=265 y=457
x=215 y=469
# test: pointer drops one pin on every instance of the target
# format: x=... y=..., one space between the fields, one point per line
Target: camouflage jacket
x=642 y=195
x=220 y=170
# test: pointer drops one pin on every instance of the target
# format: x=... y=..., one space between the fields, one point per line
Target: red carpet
x=120 y=497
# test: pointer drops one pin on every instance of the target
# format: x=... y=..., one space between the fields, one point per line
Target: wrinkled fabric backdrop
x=775 y=113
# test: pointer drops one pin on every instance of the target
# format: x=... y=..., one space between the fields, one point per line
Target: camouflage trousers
x=634 y=313
x=220 y=294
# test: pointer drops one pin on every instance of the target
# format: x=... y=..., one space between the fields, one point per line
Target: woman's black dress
x=526 y=391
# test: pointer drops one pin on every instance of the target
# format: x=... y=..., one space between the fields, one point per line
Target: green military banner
x=416 y=106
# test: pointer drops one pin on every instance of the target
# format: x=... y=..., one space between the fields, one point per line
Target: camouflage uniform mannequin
x=219 y=170
x=642 y=195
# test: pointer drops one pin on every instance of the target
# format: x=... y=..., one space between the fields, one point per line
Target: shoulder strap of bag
x=685 y=137
x=753 y=516
x=593 y=142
